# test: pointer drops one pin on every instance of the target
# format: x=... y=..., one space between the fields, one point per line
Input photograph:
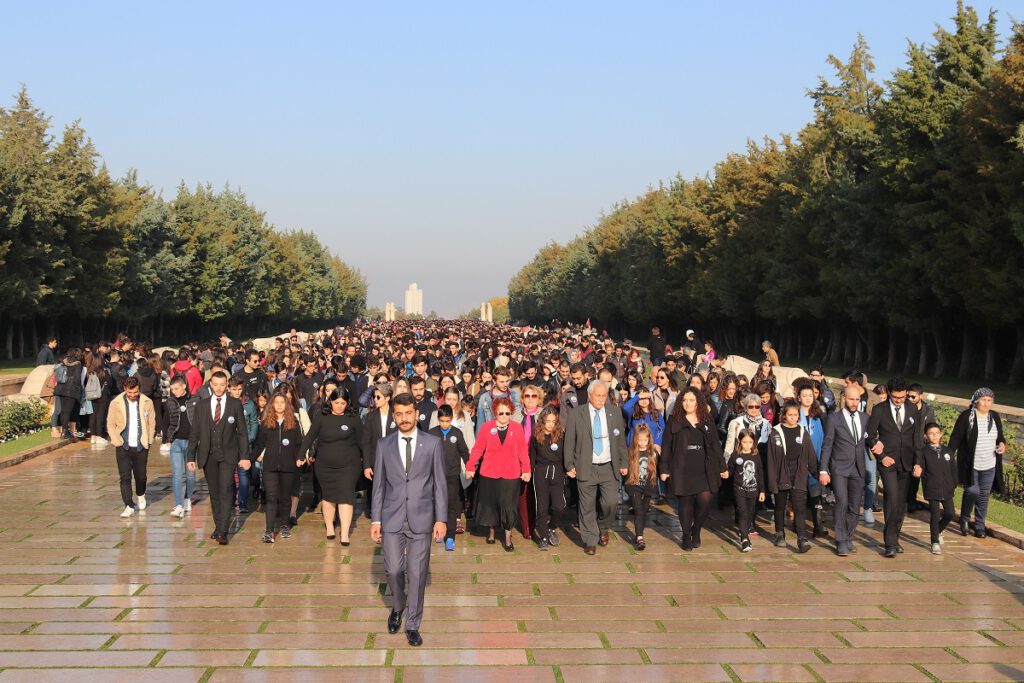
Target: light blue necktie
x=598 y=442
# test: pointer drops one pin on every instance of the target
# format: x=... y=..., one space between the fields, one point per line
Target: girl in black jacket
x=547 y=461
x=641 y=478
x=747 y=483
x=791 y=458
x=277 y=447
x=936 y=467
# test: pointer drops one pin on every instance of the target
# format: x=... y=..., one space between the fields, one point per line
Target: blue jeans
x=179 y=447
x=976 y=496
x=242 y=491
x=870 y=481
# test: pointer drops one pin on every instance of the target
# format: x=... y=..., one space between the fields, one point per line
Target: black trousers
x=693 y=511
x=454 y=505
x=68 y=412
x=98 y=419
x=940 y=519
x=278 y=503
x=799 y=499
x=548 y=498
x=745 y=515
x=640 y=499
x=895 y=484
x=220 y=480
x=131 y=462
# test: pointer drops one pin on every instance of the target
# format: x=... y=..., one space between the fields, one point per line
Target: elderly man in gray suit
x=842 y=465
x=410 y=500
x=595 y=454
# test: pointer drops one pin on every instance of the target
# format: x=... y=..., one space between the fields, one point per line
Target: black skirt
x=497 y=503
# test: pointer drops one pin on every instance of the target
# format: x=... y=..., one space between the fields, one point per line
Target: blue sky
x=441 y=143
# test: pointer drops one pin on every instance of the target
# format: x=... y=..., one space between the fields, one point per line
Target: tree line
x=888 y=231
x=84 y=255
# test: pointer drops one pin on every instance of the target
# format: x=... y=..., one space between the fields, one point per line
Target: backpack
x=93 y=388
x=60 y=375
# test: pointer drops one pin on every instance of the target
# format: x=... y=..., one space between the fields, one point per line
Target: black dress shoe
x=413 y=636
x=889 y=552
x=899 y=548
x=394 y=622
x=965 y=530
x=215 y=534
x=222 y=539
x=491 y=541
x=979 y=533
x=590 y=550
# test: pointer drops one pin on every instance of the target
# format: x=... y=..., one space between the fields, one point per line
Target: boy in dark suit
x=936 y=467
x=456 y=454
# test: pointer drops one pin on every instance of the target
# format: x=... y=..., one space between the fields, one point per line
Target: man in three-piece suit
x=219 y=443
x=894 y=433
x=410 y=506
x=842 y=465
x=595 y=455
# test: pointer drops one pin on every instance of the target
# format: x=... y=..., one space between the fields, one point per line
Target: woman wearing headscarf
x=978 y=441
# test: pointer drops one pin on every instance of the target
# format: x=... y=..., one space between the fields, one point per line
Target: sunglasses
x=753 y=407
x=530 y=396
x=504 y=412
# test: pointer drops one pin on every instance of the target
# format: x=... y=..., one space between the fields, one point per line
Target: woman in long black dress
x=338 y=435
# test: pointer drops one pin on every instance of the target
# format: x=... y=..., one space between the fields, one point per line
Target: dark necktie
x=853 y=426
x=408 y=453
x=899 y=416
x=216 y=413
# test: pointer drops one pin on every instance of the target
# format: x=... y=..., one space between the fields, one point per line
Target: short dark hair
x=416 y=379
x=445 y=410
x=896 y=384
x=501 y=370
x=219 y=374
x=932 y=425
x=235 y=382
x=358 y=362
x=404 y=399
x=250 y=353
x=131 y=383
x=916 y=387
x=578 y=367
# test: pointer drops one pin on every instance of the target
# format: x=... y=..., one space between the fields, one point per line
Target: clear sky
x=437 y=142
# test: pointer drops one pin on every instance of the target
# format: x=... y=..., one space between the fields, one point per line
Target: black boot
x=695 y=539
x=819 y=529
x=686 y=543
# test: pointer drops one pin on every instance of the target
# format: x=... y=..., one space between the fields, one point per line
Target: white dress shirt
x=213 y=405
x=401 y=445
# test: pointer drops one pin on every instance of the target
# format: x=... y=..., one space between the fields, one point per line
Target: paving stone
x=82 y=588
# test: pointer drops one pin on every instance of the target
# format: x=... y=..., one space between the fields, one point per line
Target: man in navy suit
x=842 y=465
x=410 y=505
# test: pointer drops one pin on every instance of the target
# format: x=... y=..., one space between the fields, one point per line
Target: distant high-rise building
x=414 y=300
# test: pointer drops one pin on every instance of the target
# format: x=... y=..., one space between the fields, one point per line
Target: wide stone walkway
x=151 y=599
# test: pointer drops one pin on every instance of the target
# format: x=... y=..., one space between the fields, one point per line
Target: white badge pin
x=182 y=409
x=315 y=385
x=739 y=461
x=554 y=446
x=393 y=425
x=494 y=430
x=946 y=456
x=911 y=420
x=453 y=439
x=231 y=420
x=285 y=442
x=799 y=439
x=616 y=432
x=423 y=417
x=344 y=428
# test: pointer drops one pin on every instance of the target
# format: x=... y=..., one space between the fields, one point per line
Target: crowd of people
x=534 y=422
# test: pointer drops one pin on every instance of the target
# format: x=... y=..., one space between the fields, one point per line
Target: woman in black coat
x=979 y=444
x=68 y=386
x=691 y=462
x=277 y=447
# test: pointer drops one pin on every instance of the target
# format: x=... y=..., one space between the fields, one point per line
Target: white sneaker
x=128 y=511
x=178 y=511
x=92 y=440
x=100 y=441
x=165 y=448
x=936 y=549
x=188 y=505
x=142 y=502
x=942 y=538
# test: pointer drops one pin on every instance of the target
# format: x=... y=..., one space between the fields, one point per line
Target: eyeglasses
x=504 y=412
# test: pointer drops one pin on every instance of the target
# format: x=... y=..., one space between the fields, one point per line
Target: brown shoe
x=590 y=550
x=604 y=539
